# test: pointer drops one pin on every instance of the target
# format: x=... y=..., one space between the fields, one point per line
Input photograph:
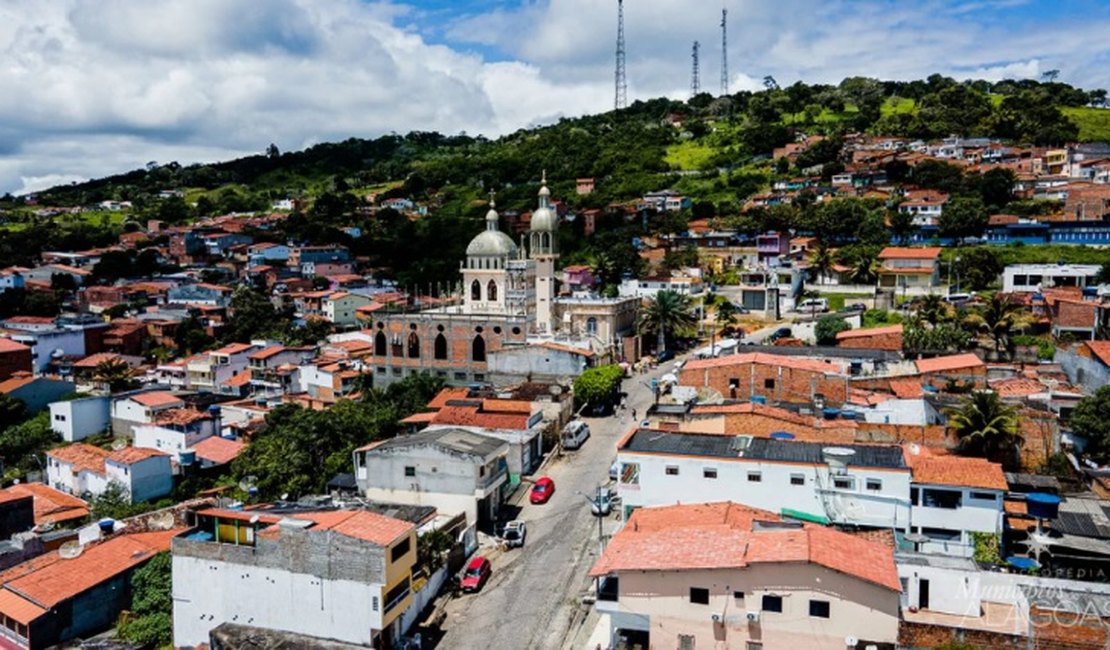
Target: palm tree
x=864 y=269
x=933 y=309
x=822 y=261
x=669 y=312
x=114 y=373
x=986 y=426
x=726 y=314
x=999 y=317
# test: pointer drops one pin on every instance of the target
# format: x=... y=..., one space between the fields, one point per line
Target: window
x=819 y=608
x=942 y=534
x=460 y=376
x=672 y=470
x=479 y=377
x=441 y=347
x=410 y=470
x=914 y=499
x=1021 y=280
x=397 y=594
x=769 y=384
x=699 y=596
x=491 y=291
x=755 y=645
x=738 y=595
x=379 y=344
x=59 y=418
x=755 y=477
x=797 y=479
x=414 y=346
x=374 y=603
x=949 y=499
x=844 y=482
x=983 y=496
x=874 y=484
x=478 y=349
x=475 y=290
x=397 y=372
x=591 y=326
x=772 y=604
x=709 y=472
x=686 y=642
x=400 y=550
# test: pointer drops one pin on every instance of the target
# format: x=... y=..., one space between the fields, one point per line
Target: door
x=923 y=594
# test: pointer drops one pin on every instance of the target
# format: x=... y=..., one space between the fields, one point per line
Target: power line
x=620 y=81
x=695 y=80
x=724 y=52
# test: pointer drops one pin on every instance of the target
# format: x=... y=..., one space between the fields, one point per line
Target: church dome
x=544 y=218
x=491 y=242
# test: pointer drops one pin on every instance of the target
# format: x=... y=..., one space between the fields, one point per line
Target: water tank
x=214 y=410
x=837 y=458
x=1042 y=505
x=106 y=525
x=831 y=413
x=187 y=457
x=782 y=435
x=759 y=399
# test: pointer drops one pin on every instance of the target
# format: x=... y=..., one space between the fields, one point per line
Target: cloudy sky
x=93 y=87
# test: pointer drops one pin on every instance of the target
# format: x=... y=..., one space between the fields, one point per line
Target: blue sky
x=94 y=87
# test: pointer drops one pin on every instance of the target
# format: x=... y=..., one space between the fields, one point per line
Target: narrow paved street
x=534 y=592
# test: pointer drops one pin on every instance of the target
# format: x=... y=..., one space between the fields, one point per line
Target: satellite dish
x=118 y=445
x=708 y=395
x=70 y=550
x=46 y=526
x=555 y=389
x=162 y=521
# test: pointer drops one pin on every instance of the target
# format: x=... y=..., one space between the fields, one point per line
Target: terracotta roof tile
x=870 y=331
x=93 y=360
x=50 y=505
x=906 y=253
x=570 y=349
x=180 y=416
x=132 y=455
x=473 y=417
x=81 y=456
x=951 y=362
x=8 y=345
x=762 y=358
x=907 y=388
x=156 y=398
x=233 y=348
x=937 y=467
x=218 y=450
x=1100 y=349
x=1017 y=387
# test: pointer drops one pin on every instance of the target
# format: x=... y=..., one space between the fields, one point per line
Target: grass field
x=1041 y=254
x=690 y=155
x=1093 y=123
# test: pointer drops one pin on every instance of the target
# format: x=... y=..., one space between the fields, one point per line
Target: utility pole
x=695 y=81
x=724 y=52
x=620 y=99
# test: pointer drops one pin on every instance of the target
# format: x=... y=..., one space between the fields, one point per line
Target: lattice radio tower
x=620 y=99
x=695 y=76
x=724 y=51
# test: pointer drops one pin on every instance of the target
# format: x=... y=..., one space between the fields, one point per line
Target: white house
x=141 y=408
x=81 y=469
x=946 y=498
x=339 y=307
x=1030 y=278
x=78 y=419
x=206 y=372
x=176 y=430
x=650 y=287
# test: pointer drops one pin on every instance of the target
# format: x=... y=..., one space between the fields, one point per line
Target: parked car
x=575 y=433
x=602 y=503
x=813 y=305
x=615 y=470
x=780 y=333
x=542 y=490
x=856 y=306
x=476 y=575
x=514 y=534
x=665 y=355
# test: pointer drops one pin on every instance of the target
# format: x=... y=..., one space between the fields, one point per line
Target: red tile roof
x=16 y=382
x=157 y=398
x=48 y=580
x=81 y=456
x=233 y=348
x=446 y=395
x=217 y=450
x=1017 y=387
x=762 y=358
x=1100 y=349
x=938 y=467
x=570 y=349
x=266 y=353
x=132 y=455
x=722 y=535
x=907 y=388
x=471 y=416
x=50 y=505
x=8 y=345
x=906 y=253
x=93 y=360
x=952 y=362
x=360 y=524
x=180 y=416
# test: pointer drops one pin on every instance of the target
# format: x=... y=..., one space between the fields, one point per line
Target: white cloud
x=93 y=87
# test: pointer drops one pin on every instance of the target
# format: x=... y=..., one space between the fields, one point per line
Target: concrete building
x=175 y=430
x=258 y=567
x=14 y=357
x=81 y=469
x=339 y=307
x=205 y=372
x=773 y=377
x=543 y=247
x=51 y=508
x=906 y=268
x=1031 y=278
x=59 y=596
x=78 y=419
x=49 y=344
x=141 y=408
x=36 y=393
x=605 y=324
x=946 y=498
x=450 y=469
x=541 y=362
x=723 y=575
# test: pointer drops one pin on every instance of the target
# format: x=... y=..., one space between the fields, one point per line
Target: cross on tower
x=492 y=194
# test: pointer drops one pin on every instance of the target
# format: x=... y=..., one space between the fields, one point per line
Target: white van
x=575 y=433
x=813 y=304
x=958 y=298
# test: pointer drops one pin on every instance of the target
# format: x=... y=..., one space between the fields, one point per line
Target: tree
x=865 y=268
x=667 y=314
x=725 y=315
x=191 y=337
x=113 y=503
x=963 y=217
x=151 y=620
x=598 y=385
x=432 y=548
x=933 y=310
x=115 y=374
x=1091 y=420
x=114 y=265
x=996 y=187
x=986 y=426
x=901 y=225
x=828 y=327
x=821 y=262
x=22 y=445
x=63 y=282
x=252 y=316
x=12 y=410
x=954 y=110
x=978 y=268
x=999 y=317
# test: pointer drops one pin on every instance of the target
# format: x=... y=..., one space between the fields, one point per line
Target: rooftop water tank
x=759 y=399
x=1042 y=505
x=187 y=457
x=782 y=435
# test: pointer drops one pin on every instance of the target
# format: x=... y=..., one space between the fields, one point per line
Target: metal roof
x=457 y=440
x=686 y=444
x=811 y=453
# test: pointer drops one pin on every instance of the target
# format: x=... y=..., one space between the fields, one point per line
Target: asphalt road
x=534 y=592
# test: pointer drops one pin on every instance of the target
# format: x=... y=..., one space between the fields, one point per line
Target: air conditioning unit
x=851 y=641
x=753 y=617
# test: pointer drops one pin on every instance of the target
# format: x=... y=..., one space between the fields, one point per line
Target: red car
x=542 y=490
x=477 y=572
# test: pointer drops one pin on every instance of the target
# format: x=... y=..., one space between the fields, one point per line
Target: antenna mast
x=621 y=82
x=695 y=81
x=724 y=51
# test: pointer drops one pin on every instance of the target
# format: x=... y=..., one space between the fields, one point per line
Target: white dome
x=492 y=243
x=544 y=219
